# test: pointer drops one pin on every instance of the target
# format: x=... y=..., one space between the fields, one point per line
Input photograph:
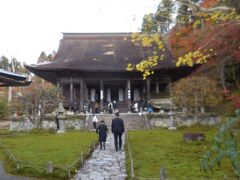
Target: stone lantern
x=172 y=122
x=60 y=117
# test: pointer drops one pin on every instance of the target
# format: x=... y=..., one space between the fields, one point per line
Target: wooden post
x=81 y=94
x=18 y=165
x=101 y=95
x=82 y=158
x=148 y=90
x=71 y=93
x=163 y=173
x=132 y=169
x=69 y=173
x=129 y=94
x=49 y=167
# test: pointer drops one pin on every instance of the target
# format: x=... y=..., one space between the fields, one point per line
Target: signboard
x=101 y=94
x=129 y=94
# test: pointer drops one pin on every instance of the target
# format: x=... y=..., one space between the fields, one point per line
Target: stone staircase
x=132 y=121
x=122 y=107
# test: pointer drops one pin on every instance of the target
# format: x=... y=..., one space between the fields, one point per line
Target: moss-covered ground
x=38 y=149
x=158 y=148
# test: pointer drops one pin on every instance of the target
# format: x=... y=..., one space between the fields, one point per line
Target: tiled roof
x=100 y=52
x=8 y=78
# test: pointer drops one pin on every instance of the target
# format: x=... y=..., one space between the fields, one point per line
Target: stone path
x=106 y=164
x=5 y=176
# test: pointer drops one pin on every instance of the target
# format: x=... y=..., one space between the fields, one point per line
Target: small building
x=91 y=67
x=8 y=78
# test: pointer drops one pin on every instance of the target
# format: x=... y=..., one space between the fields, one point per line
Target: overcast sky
x=29 y=27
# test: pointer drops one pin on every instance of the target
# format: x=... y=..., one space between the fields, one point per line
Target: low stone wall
x=182 y=119
x=21 y=124
x=70 y=122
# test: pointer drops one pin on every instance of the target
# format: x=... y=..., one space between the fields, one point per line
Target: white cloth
x=95 y=119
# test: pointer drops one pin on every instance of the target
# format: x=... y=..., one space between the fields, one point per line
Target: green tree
x=149 y=25
x=3 y=108
x=225 y=146
x=185 y=12
x=36 y=101
x=51 y=56
x=42 y=58
x=4 y=63
x=161 y=20
x=164 y=15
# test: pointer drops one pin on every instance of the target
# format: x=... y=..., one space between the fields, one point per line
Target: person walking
x=96 y=106
x=102 y=134
x=94 y=120
x=57 y=122
x=114 y=106
x=110 y=107
x=117 y=129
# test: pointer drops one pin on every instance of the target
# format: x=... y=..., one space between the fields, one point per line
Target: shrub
x=3 y=108
x=196 y=92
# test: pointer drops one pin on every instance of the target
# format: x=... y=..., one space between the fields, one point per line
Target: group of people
x=112 y=106
x=117 y=128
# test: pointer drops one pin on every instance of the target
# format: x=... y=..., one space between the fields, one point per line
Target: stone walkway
x=5 y=176
x=104 y=164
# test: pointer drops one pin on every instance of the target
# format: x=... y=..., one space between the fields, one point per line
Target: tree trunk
x=196 y=104
x=222 y=75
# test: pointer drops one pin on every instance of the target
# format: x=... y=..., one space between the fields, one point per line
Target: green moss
x=152 y=116
x=154 y=149
x=38 y=149
x=75 y=117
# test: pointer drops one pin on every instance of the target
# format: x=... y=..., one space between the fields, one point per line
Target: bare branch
x=217 y=34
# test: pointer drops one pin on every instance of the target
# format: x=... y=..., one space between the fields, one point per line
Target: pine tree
x=42 y=58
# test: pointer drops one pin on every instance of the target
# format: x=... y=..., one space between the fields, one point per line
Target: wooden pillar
x=143 y=87
x=58 y=92
x=157 y=87
x=148 y=83
x=71 y=93
x=101 y=94
x=169 y=86
x=81 y=94
x=85 y=92
x=129 y=94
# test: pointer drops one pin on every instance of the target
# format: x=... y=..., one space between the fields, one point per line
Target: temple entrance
x=114 y=94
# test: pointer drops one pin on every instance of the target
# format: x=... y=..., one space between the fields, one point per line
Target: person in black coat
x=102 y=133
x=57 y=122
x=117 y=130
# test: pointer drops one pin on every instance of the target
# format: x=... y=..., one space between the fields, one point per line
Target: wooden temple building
x=8 y=78
x=91 y=67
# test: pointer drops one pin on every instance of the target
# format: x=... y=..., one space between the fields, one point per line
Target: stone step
x=131 y=121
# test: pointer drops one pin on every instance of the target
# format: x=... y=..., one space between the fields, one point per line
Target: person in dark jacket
x=57 y=122
x=117 y=130
x=102 y=133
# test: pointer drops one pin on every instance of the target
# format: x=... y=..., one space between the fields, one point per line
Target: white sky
x=29 y=27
